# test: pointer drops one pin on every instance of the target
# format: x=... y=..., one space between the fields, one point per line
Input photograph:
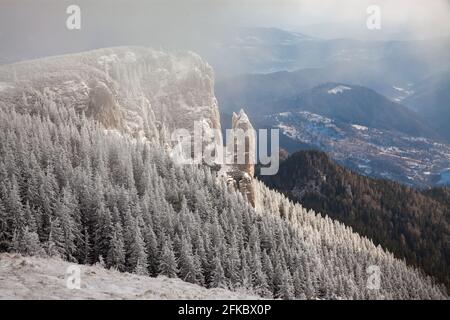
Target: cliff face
x=141 y=91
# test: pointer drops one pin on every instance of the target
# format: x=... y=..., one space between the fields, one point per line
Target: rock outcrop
x=139 y=91
x=243 y=146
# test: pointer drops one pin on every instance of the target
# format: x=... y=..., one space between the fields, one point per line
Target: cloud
x=39 y=26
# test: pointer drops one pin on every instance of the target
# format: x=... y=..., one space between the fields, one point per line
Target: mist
x=39 y=26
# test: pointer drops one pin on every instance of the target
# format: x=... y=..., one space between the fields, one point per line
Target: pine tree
x=286 y=289
x=15 y=208
x=136 y=257
x=55 y=244
x=259 y=278
x=5 y=231
x=278 y=280
x=116 y=253
x=233 y=262
x=186 y=262
x=103 y=231
x=64 y=212
x=29 y=244
x=168 y=263
x=218 y=279
x=152 y=249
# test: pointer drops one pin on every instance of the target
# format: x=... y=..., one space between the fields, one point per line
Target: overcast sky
x=39 y=25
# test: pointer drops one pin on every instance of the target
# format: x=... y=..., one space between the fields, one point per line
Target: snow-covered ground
x=47 y=278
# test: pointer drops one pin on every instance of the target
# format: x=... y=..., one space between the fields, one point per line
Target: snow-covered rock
x=241 y=123
x=46 y=278
x=140 y=90
x=243 y=145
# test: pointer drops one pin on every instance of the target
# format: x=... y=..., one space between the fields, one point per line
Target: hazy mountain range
x=378 y=107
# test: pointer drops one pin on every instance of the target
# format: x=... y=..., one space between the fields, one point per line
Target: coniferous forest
x=74 y=190
x=413 y=224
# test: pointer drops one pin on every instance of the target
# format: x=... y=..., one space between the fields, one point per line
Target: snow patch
x=402 y=93
x=107 y=59
x=359 y=127
x=45 y=278
x=338 y=89
x=5 y=86
x=289 y=131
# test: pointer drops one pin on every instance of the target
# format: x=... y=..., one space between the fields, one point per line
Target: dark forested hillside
x=71 y=189
x=431 y=100
x=414 y=225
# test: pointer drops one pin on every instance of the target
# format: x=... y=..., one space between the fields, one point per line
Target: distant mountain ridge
x=267 y=50
x=358 y=105
x=356 y=125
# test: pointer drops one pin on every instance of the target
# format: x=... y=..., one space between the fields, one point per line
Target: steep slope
x=72 y=189
x=39 y=278
x=100 y=187
x=414 y=225
x=146 y=93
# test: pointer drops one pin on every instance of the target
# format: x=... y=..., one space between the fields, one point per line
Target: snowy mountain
x=142 y=91
x=372 y=152
x=357 y=105
x=46 y=278
x=75 y=189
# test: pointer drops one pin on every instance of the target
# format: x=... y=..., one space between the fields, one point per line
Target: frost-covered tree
x=187 y=262
x=116 y=252
x=55 y=243
x=168 y=263
x=218 y=279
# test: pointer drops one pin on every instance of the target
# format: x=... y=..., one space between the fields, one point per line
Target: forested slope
x=413 y=224
x=71 y=188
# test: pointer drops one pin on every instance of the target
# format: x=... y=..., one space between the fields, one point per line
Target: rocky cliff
x=142 y=91
x=243 y=145
x=139 y=91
